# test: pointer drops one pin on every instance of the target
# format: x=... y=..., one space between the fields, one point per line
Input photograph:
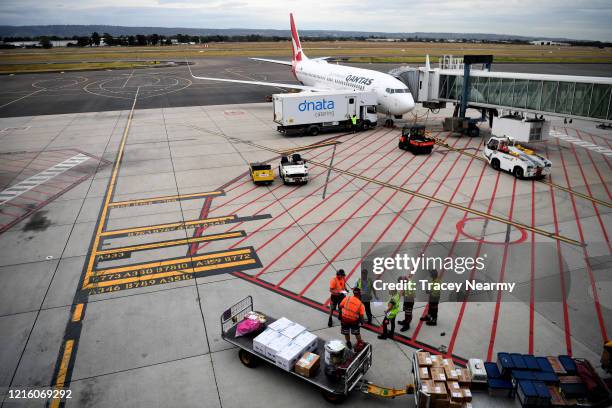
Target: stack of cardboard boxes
x=447 y=385
x=285 y=342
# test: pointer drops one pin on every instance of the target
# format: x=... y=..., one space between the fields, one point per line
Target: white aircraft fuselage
x=393 y=96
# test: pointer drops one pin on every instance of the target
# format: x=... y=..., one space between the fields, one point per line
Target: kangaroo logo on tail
x=297 y=54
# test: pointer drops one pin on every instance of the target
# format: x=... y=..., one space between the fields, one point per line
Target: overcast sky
x=579 y=19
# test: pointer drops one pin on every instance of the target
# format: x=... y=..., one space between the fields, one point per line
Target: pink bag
x=247 y=326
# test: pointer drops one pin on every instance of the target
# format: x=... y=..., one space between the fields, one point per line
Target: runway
x=98 y=91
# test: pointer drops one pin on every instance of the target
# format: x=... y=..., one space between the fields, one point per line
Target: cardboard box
x=440 y=403
x=447 y=362
x=288 y=356
x=427 y=386
x=262 y=340
x=308 y=364
x=437 y=374
x=439 y=390
x=436 y=361
x=465 y=378
x=307 y=341
x=456 y=395
x=451 y=373
x=467 y=405
x=280 y=324
x=293 y=330
x=453 y=386
x=423 y=359
x=467 y=394
x=424 y=373
x=276 y=346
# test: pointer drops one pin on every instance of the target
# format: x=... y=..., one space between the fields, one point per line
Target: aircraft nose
x=405 y=103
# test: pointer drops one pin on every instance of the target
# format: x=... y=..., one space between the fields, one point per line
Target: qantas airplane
x=316 y=74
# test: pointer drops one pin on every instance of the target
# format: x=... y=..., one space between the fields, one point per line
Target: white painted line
x=23 y=97
x=36 y=180
x=582 y=143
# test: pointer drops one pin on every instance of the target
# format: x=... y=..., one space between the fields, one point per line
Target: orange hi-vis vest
x=337 y=285
x=351 y=308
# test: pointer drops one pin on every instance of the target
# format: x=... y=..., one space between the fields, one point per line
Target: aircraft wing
x=272 y=61
x=262 y=83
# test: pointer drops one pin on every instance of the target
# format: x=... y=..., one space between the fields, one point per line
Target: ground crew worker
x=431 y=319
x=408 y=294
x=351 y=316
x=337 y=289
x=367 y=292
x=392 y=310
x=354 y=122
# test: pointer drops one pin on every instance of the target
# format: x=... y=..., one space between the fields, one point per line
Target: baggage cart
x=332 y=390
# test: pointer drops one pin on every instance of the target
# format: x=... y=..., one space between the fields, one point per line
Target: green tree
x=154 y=39
x=131 y=40
x=46 y=43
x=95 y=38
x=141 y=39
x=83 y=41
x=108 y=39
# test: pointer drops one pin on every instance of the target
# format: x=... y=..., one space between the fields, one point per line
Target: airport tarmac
x=136 y=228
x=96 y=91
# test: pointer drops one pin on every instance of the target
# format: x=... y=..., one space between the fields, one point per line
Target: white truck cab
x=293 y=170
x=504 y=153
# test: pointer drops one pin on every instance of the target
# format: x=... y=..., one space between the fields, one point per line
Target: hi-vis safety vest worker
x=352 y=309
x=409 y=291
x=354 y=120
x=337 y=284
x=435 y=291
x=395 y=301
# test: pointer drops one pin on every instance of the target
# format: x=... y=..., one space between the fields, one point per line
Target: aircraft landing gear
x=389 y=123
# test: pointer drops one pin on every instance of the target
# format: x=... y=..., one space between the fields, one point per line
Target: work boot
x=401 y=322
x=382 y=336
x=370 y=320
x=432 y=322
x=405 y=327
x=425 y=318
x=330 y=323
x=349 y=345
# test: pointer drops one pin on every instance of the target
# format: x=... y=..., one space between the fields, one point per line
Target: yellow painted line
x=315 y=146
x=169 y=262
x=548 y=183
x=109 y=191
x=169 y=225
x=177 y=242
x=164 y=198
x=167 y=274
x=61 y=376
x=78 y=313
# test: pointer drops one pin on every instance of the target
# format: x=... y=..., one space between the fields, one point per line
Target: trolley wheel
x=333 y=398
x=248 y=359
x=313 y=130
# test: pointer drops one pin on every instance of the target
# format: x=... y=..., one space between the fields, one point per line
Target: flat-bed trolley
x=332 y=390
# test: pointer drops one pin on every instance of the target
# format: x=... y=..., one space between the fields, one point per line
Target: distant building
x=546 y=42
x=56 y=43
x=384 y=39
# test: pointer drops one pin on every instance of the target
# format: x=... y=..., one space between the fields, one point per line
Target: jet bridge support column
x=468 y=60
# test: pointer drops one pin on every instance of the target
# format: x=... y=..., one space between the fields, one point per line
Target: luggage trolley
x=333 y=391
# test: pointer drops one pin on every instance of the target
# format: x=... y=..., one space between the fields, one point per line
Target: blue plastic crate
x=505 y=364
x=531 y=362
x=548 y=378
x=544 y=365
x=568 y=364
x=517 y=361
x=519 y=375
x=492 y=370
x=543 y=392
x=498 y=387
x=527 y=393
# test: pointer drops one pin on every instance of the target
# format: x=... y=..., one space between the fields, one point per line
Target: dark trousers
x=433 y=310
x=368 y=311
x=385 y=323
x=408 y=306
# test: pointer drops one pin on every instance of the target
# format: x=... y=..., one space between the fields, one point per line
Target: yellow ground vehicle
x=261 y=173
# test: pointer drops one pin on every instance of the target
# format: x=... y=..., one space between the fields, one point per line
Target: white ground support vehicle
x=293 y=170
x=504 y=153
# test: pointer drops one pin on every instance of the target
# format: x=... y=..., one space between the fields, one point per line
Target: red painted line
x=303 y=198
x=286 y=228
x=395 y=218
x=329 y=262
x=317 y=248
x=588 y=187
x=10 y=214
x=23 y=196
x=453 y=338
x=501 y=279
x=17 y=205
x=598 y=312
x=532 y=277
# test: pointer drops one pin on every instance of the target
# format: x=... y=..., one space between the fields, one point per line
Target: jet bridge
x=568 y=96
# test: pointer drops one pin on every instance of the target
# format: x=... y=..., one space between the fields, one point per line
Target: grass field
x=356 y=51
x=78 y=66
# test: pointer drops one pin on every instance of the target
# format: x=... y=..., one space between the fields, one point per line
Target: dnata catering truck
x=314 y=112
